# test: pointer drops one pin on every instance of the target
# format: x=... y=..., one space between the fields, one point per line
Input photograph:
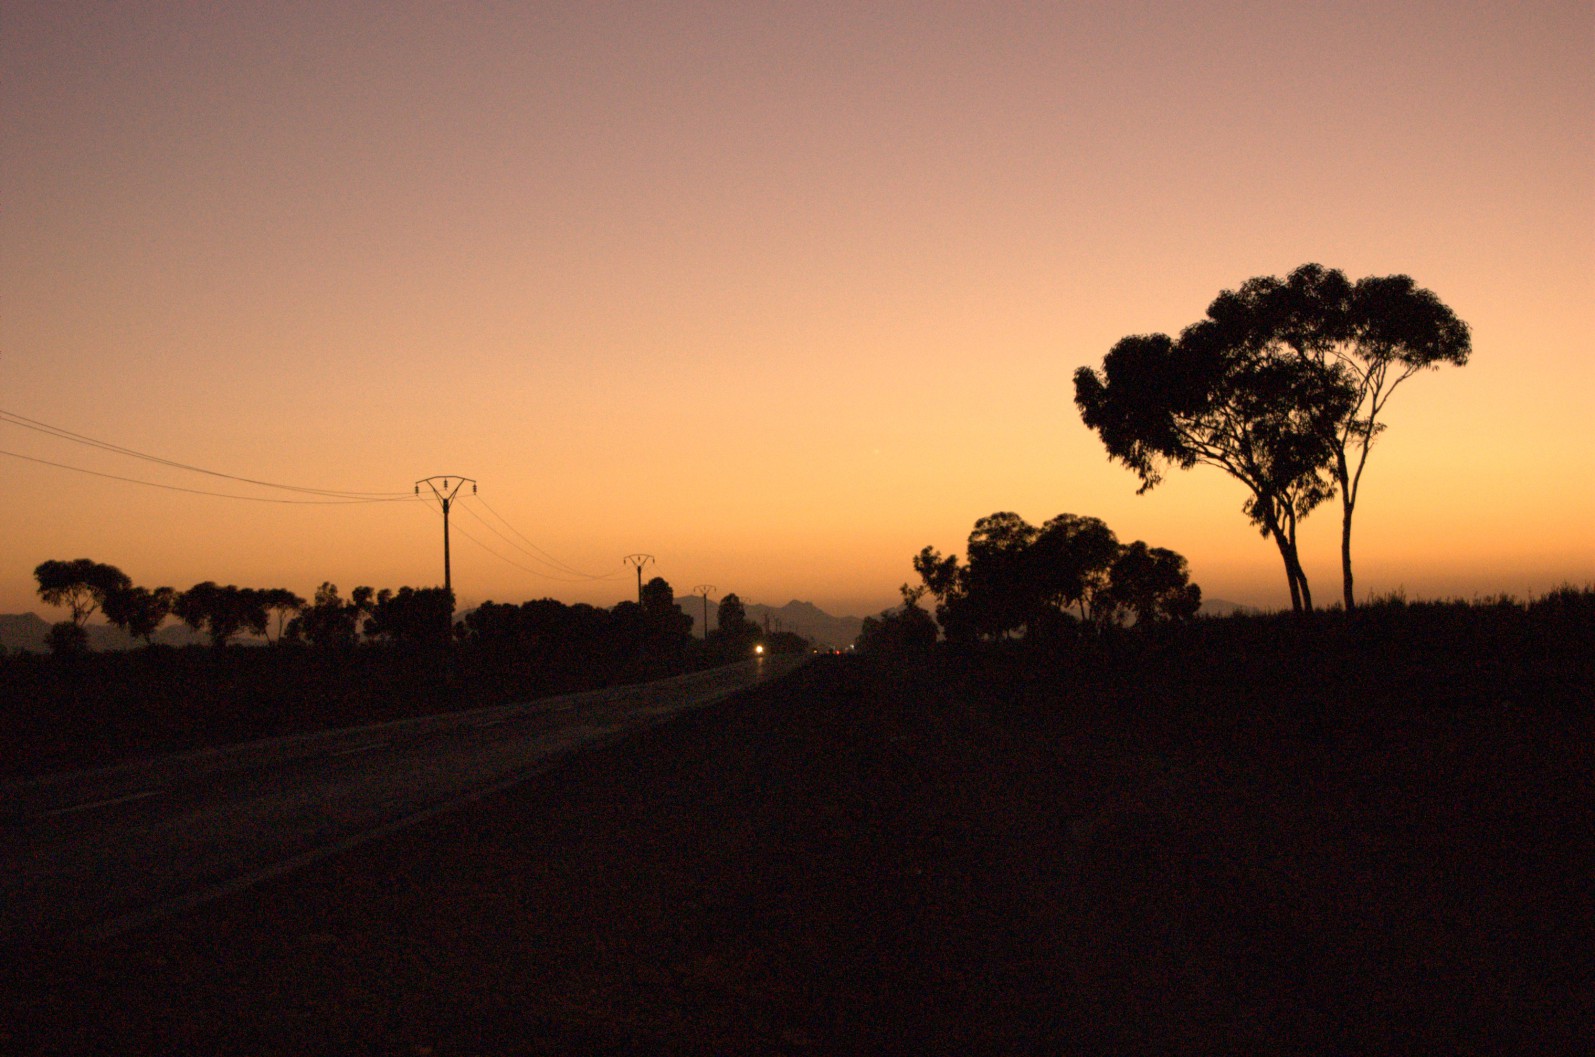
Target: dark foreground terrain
x=986 y=857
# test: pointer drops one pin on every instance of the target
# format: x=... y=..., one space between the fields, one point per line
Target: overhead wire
x=576 y=575
x=510 y=561
x=399 y=498
x=37 y=426
x=324 y=496
x=551 y=558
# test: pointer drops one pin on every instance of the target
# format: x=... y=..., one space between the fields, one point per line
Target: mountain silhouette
x=27 y=631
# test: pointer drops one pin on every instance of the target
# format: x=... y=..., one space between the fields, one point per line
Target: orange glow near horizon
x=779 y=295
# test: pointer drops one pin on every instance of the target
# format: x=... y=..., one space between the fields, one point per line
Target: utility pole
x=639 y=560
x=704 y=590
x=445 y=495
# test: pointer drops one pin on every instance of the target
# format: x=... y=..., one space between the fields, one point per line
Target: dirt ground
x=855 y=861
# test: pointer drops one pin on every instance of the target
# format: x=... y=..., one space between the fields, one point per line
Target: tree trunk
x=1348 y=502
x=1345 y=556
x=1301 y=578
x=1290 y=566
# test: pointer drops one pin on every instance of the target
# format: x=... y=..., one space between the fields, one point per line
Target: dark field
x=1369 y=837
x=103 y=708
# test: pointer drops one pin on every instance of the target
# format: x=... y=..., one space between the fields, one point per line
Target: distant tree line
x=411 y=617
x=1055 y=581
x=1283 y=385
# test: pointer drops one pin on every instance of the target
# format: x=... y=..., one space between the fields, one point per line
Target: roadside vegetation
x=1066 y=607
x=331 y=661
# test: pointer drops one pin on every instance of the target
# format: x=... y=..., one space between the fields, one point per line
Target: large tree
x=1154 y=584
x=1000 y=587
x=222 y=611
x=1020 y=577
x=1217 y=397
x=1369 y=336
x=331 y=622
x=731 y=618
x=284 y=603
x=139 y=610
x=81 y=585
x=665 y=626
x=413 y=617
x=1071 y=562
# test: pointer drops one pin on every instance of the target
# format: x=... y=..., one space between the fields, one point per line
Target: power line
x=200 y=491
x=509 y=561
x=549 y=557
x=577 y=575
x=327 y=496
x=23 y=421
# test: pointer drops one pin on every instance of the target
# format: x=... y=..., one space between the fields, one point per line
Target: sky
x=776 y=293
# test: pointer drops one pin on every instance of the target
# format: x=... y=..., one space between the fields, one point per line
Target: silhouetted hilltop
x=22 y=631
x=1219 y=607
x=805 y=619
x=26 y=631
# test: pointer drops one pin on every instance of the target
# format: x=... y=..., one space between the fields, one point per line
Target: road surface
x=95 y=853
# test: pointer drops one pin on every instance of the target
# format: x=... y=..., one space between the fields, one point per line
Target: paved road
x=95 y=853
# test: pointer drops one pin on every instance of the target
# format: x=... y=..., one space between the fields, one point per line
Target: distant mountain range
x=26 y=631
x=803 y=618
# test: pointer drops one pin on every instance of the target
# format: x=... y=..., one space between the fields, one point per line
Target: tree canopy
x=1369 y=336
x=1072 y=571
x=81 y=585
x=1280 y=385
x=222 y=612
x=412 y=617
x=139 y=611
x=330 y=621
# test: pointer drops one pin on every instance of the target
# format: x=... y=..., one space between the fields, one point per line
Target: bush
x=67 y=639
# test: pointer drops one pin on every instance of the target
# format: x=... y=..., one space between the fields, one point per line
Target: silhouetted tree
x=222 y=612
x=1019 y=576
x=66 y=639
x=1154 y=584
x=904 y=630
x=1070 y=561
x=362 y=600
x=283 y=602
x=1000 y=592
x=329 y=622
x=412 y=617
x=658 y=597
x=1217 y=397
x=731 y=618
x=500 y=624
x=666 y=625
x=139 y=611
x=81 y=585
x=944 y=578
x=1369 y=336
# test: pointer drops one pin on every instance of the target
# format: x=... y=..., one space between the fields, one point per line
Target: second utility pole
x=639 y=560
x=446 y=497
x=704 y=590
